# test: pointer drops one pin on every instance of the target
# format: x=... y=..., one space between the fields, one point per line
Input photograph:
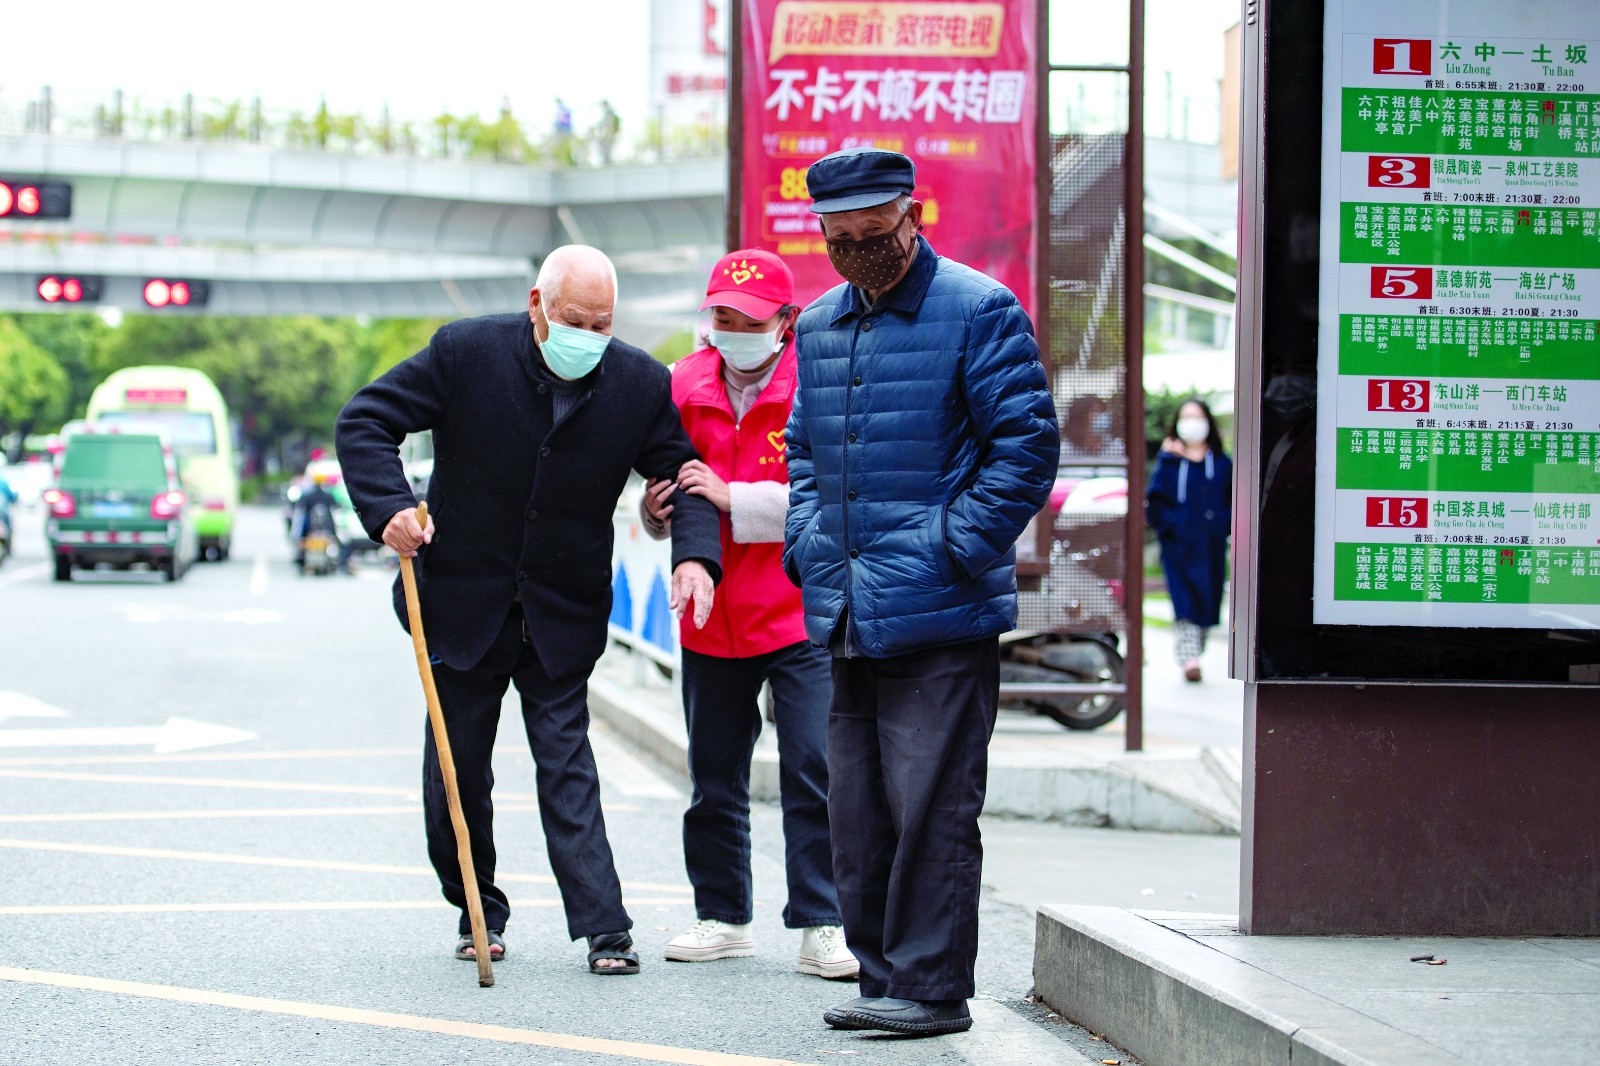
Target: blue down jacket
x=923 y=439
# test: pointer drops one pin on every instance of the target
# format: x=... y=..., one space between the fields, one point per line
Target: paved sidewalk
x=1190 y=990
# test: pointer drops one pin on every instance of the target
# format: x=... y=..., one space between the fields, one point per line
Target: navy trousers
x=724 y=718
x=555 y=713
x=908 y=762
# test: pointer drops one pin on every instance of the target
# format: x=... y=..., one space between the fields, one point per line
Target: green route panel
x=1488 y=235
x=1402 y=345
x=1435 y=573
x=1422 y=121
x=1468 y=460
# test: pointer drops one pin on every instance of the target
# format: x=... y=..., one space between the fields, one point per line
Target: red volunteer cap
x=751 y=281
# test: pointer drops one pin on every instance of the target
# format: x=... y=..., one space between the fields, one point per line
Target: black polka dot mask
x=871 y=263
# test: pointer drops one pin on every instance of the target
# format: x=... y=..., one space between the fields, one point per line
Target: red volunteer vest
x=756 y=609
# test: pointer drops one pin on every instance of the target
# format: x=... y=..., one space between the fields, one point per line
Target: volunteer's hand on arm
x=692 y=581
x=657 y=494
x=404 y=535
x=698 y=479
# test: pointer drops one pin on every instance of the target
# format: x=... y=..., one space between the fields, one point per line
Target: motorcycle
x=319 y=551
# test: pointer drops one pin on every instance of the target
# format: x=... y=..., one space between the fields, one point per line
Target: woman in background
x=1190 y=506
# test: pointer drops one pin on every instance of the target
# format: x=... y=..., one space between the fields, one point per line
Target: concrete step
x=1189 y=990
x=1078 y=779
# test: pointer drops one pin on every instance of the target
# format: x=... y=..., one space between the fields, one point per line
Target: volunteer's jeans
x=555 y=712
x=720 y=698
x=908 y=759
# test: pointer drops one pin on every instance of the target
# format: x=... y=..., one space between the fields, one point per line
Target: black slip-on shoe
x=910 y=1017
x=840 y=1017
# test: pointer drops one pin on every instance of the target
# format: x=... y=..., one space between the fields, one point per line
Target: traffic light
x=35 y=199
x=68 y=288
x=173 y=292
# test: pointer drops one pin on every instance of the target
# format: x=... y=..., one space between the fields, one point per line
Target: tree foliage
x=33 y=386
x=284 y=378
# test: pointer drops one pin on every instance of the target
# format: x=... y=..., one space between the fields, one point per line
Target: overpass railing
x=502 y=137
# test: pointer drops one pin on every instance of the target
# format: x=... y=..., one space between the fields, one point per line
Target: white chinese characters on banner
x=899 y=95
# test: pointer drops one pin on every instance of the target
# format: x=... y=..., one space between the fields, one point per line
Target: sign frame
x=1283 y=390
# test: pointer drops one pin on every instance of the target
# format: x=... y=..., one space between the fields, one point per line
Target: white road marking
x=176 y=734
x=1001 y=1037
x=27 y=573
x=626 y=774
x=19 y=705
x=258 y=576
x=146 y=613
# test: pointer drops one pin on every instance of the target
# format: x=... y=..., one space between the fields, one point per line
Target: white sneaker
x=710 y=940
x=822 y=953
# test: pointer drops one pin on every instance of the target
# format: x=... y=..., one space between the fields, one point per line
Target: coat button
x=866 y=327
x=855 y=554
x=543 y=389
x=522 y=575
x=852 y=438
x=858 y=379
x=543 y=452
x=850 y=496
x=533 y=514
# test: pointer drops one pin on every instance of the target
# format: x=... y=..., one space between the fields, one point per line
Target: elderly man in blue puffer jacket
x=923 y=439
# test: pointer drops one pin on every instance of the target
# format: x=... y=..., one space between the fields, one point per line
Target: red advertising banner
x=951 y=83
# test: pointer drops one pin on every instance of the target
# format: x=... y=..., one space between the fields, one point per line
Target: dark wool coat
x=521 y=506
x=922 y=441
x=1190 y=506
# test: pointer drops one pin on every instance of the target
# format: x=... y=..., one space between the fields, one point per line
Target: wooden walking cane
x=447 y=765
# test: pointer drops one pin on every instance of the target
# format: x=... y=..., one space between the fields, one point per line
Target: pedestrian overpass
x=277 y=232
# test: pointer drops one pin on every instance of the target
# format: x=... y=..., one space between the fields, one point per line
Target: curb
x=1173 y=1001
x=1156 y=793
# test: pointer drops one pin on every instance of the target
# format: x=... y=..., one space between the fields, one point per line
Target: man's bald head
x=577 y=287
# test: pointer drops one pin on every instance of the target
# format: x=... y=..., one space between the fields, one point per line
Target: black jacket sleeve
x=410 y=398
x=696 y=522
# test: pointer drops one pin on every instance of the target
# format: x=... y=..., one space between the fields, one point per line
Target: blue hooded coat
x=1190 y=506
x=922 y=441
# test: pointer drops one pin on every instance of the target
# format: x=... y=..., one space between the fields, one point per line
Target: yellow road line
x=297 y=864
x=289 y=905
x=623 y=1049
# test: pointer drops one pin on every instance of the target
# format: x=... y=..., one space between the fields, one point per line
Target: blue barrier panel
x=621 y=600
x=658 y=621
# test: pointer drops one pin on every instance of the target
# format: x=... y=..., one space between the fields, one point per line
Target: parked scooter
x=1067 y=627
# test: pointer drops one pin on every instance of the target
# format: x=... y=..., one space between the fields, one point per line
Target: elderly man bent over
x=923 y=439
x=537 y=420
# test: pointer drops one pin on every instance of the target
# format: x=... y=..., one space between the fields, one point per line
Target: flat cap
x=857 y=178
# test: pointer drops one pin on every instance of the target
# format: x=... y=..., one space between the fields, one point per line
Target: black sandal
x=613 y=946
x=465 y=950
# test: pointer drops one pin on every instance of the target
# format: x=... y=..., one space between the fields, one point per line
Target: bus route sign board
x=1458 y=389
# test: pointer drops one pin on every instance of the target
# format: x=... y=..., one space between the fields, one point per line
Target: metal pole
x=1043 y=187
x=1133 y=380
x=734 y=237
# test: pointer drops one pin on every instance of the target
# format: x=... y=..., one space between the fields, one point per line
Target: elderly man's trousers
x=908 y=760
x=555 y=713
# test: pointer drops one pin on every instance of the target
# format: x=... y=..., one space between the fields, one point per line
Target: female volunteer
x=735 y=397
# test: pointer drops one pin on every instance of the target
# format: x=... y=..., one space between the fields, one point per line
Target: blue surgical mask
x=571 y=353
